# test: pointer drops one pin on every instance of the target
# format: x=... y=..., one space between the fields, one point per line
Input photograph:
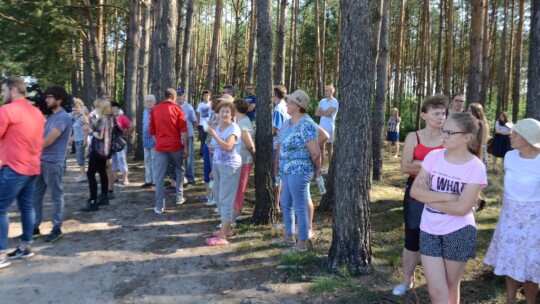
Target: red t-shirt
x=123 y=122
x=167 y=123
x=21 y=137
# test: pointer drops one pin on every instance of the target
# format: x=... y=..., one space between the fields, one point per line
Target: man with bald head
x=169 y=129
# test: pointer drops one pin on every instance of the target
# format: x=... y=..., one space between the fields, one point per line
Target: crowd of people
x=446 y=162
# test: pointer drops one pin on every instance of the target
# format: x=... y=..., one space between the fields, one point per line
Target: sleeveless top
x=420 y=151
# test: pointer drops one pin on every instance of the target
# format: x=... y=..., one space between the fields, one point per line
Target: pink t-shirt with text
x=450 y=178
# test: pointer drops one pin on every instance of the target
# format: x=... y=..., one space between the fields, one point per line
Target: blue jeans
x=294 y=201
x=21 y=187
x=190 y=169
x=50 y=177
x=161 y=160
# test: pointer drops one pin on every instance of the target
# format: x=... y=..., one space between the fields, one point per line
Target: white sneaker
x=158 y=211
x=239 y=219
x=401 y=290
x=233 y=225
x=81 y=179
x=181 y=201
x=210 y=202
x=216 y=210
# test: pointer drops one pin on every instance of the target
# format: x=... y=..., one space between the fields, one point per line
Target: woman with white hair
x=515 y=248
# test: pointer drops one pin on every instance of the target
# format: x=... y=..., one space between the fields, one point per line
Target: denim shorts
x=457 y=246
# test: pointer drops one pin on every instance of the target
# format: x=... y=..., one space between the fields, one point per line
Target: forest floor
x=125 y=253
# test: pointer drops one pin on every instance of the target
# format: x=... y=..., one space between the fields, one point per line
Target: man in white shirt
x=327 y=111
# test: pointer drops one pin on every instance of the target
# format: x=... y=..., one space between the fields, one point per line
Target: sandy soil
x=125 y=253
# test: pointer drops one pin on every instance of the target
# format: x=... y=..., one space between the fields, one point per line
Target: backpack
x=118 y=139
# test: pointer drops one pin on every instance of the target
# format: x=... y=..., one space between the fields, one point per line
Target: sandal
x=214 y=241
x=282 y=242
x=218 y=233
x=293 y=250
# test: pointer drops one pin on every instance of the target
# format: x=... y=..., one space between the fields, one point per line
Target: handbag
x=489 y=147
x=118 y=140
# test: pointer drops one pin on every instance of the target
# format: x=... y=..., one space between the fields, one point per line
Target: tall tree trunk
x=318 y=59
x=420 y=88
x=212 y=62
x=143 y=71
x=89 y=79
x=484 y=85
x=179 y=56
x=323 y=44
x=279 y=77
x=133 y=45
x=95 y=50
x=238 y=6
x=533 y=89
x=265 y=210
x=517 y=62
x=510 y=59
x=74 y=79
x=380 y=93
x=351 y=238
x=186 y=54
x=252 y=42
x=439 y=49
x=449 y=62
x=399 y=53
x=473 y=85
x=502 y=63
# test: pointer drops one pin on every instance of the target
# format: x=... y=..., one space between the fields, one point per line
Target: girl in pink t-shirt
x=449 y=183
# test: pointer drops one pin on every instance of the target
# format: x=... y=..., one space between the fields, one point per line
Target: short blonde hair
x=394 y=110
x=78 y=102
x=103 y=106
x=331 y=87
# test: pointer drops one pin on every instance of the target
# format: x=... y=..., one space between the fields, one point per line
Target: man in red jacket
x=169 y=129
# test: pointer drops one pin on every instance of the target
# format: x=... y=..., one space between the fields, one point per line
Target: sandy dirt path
x=125 y=253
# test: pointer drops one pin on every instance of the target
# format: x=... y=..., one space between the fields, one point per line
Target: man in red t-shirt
x=21 y=143
x=169 y=129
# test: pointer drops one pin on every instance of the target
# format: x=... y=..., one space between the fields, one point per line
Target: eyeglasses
x=49 y=96
x=446 y=134
x=459 y=100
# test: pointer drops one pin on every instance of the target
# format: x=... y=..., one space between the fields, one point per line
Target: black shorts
x=457 y=246
x=412 y=214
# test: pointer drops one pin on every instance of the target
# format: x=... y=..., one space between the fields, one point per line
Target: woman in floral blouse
x=298 y=160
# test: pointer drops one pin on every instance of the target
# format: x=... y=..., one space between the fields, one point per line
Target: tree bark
x=351 y=238
x=279 y=77
x=473 y=85
x=143 y=70
x=533 y=89
x=484 y=85
x=186 y=54
x=380 y=93
x=89 y=79
x=211 y=76
x=449 y=62
x=252 y=42
x=179 y=56
x=265 y=211
x=95 y=50
x=502 y=63
x=439 y=49
x=399 y=54
x=318 y=59
x=133 y=44
x=294 y=48
x=517 y=62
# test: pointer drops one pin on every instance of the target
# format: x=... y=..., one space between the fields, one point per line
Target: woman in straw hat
x=298 y=160
x=515 y=248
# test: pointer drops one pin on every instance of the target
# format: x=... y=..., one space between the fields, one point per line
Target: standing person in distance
x=204 y=109
x=119 y=159
x=191 y=121
x=251 y=100
x=100 y=155
x=55 y=142
x=80 y=137
x=169 y=129
x=392 y=133
x=449 y=184
x=501 y=139
x=21 y=143
x=327 y=110
x=417 y=145
x=148 y=142
x=280 y=115
x=477 y=111
x=457 y=104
